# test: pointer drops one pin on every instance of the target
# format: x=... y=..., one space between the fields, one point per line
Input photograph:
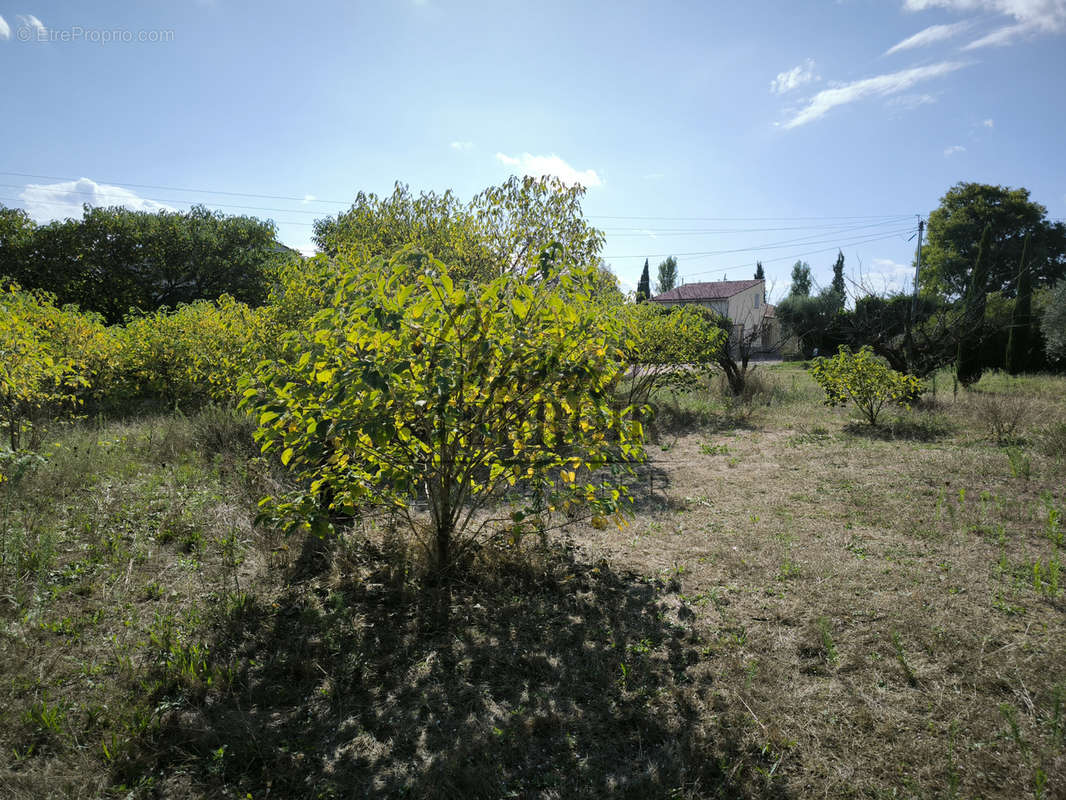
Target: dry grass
x=801 y=607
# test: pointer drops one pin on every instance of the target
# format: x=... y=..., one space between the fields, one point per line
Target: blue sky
x=716 y=132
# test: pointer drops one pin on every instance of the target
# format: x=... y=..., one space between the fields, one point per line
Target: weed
x=828 y=646
x=897 y=646
x=1020 y=466
x=1002 y=415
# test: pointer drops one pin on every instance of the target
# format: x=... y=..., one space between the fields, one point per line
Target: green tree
x=838 y=276
x=1019 y=358
x=113 y=260
x=16 y=236
x=488 y=405
x=1053 y=323
x=667 y=275
x=760 y=274
x=644 y=285
x=968 y=364
x=813 y=320
x=801 y=280
x=957 y=225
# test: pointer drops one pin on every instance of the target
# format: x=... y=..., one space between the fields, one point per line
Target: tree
x=801 y=280
x=502 y=229
x=1019 y=358
x=1053 y=323
x=814 y=321
x=459 y=409
x=957 y=225
x=838 y=276
x=968 y=366
x=667 y=275
x=113 y=260
x=16 y=235
x=760 y=275
x=644 y=285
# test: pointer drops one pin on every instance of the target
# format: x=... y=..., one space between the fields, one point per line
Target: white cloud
x=5 y=29
x=461 y=145
x=538 y=166
x=955 y=148
x=794 y=78
x=888 y=277
x=1030 y=17
x=33 y=23
x=307 y=199
x=878 y=86
x=1000 y=37
x=989 y=123
x=46 y=202
x=932 y=34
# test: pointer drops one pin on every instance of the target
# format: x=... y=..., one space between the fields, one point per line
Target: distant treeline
x=113 y=260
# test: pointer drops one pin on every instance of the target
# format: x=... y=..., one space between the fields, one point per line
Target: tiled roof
x=710 y=290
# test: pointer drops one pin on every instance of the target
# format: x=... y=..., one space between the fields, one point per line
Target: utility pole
x=917 y=269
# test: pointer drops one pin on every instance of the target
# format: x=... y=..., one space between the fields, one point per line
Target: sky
x=720 y=133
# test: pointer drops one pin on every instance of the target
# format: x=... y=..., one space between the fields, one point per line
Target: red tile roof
x=709 y=290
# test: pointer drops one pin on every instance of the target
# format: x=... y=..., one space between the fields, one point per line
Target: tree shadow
x=566 y=679
x=923 y=428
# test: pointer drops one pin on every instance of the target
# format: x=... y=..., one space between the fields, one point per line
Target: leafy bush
x=662 y=345
x=412 y=393
x=865 y=380
x=189 y=356
x=48 y=356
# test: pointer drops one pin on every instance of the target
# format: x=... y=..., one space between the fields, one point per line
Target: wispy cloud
x=538 y=166
x=45 y=202
x=931 y=35
x=955 y=148
x=307 y=199
x=988 y=123
x=878 y=86
x=1001 y=36
x=797 y=76
x=33 y=24
x=5 y=29
x=909 y=102
x=1030 y=17
x=461 y=145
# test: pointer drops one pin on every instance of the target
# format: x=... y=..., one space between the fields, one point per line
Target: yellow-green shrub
x=48 y=359
x=865 y=380
x=190 y=355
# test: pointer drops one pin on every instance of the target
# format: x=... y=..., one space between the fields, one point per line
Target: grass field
x=801 y=606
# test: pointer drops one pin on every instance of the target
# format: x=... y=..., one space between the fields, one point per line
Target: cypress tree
x=1021 y=318
x=838 y=274
x=760 y=275
x=644 y=285
x=968 y=366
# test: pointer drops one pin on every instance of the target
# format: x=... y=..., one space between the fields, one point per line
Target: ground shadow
x=916 y=429
x=568 y=680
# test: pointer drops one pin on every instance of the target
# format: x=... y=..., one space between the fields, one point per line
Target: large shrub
x=49 y=357
x=865 y=380
x=411 y=392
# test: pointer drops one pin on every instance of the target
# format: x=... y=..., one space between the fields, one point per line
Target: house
x=755 y=322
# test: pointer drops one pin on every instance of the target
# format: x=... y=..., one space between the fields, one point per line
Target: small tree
x=801 y=280
x=667 y=275
x=863 y=379
x=644 y=285
x=411 y=392
x=760 y=274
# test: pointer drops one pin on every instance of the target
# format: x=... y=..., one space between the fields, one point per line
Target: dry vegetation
x=802 y=606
